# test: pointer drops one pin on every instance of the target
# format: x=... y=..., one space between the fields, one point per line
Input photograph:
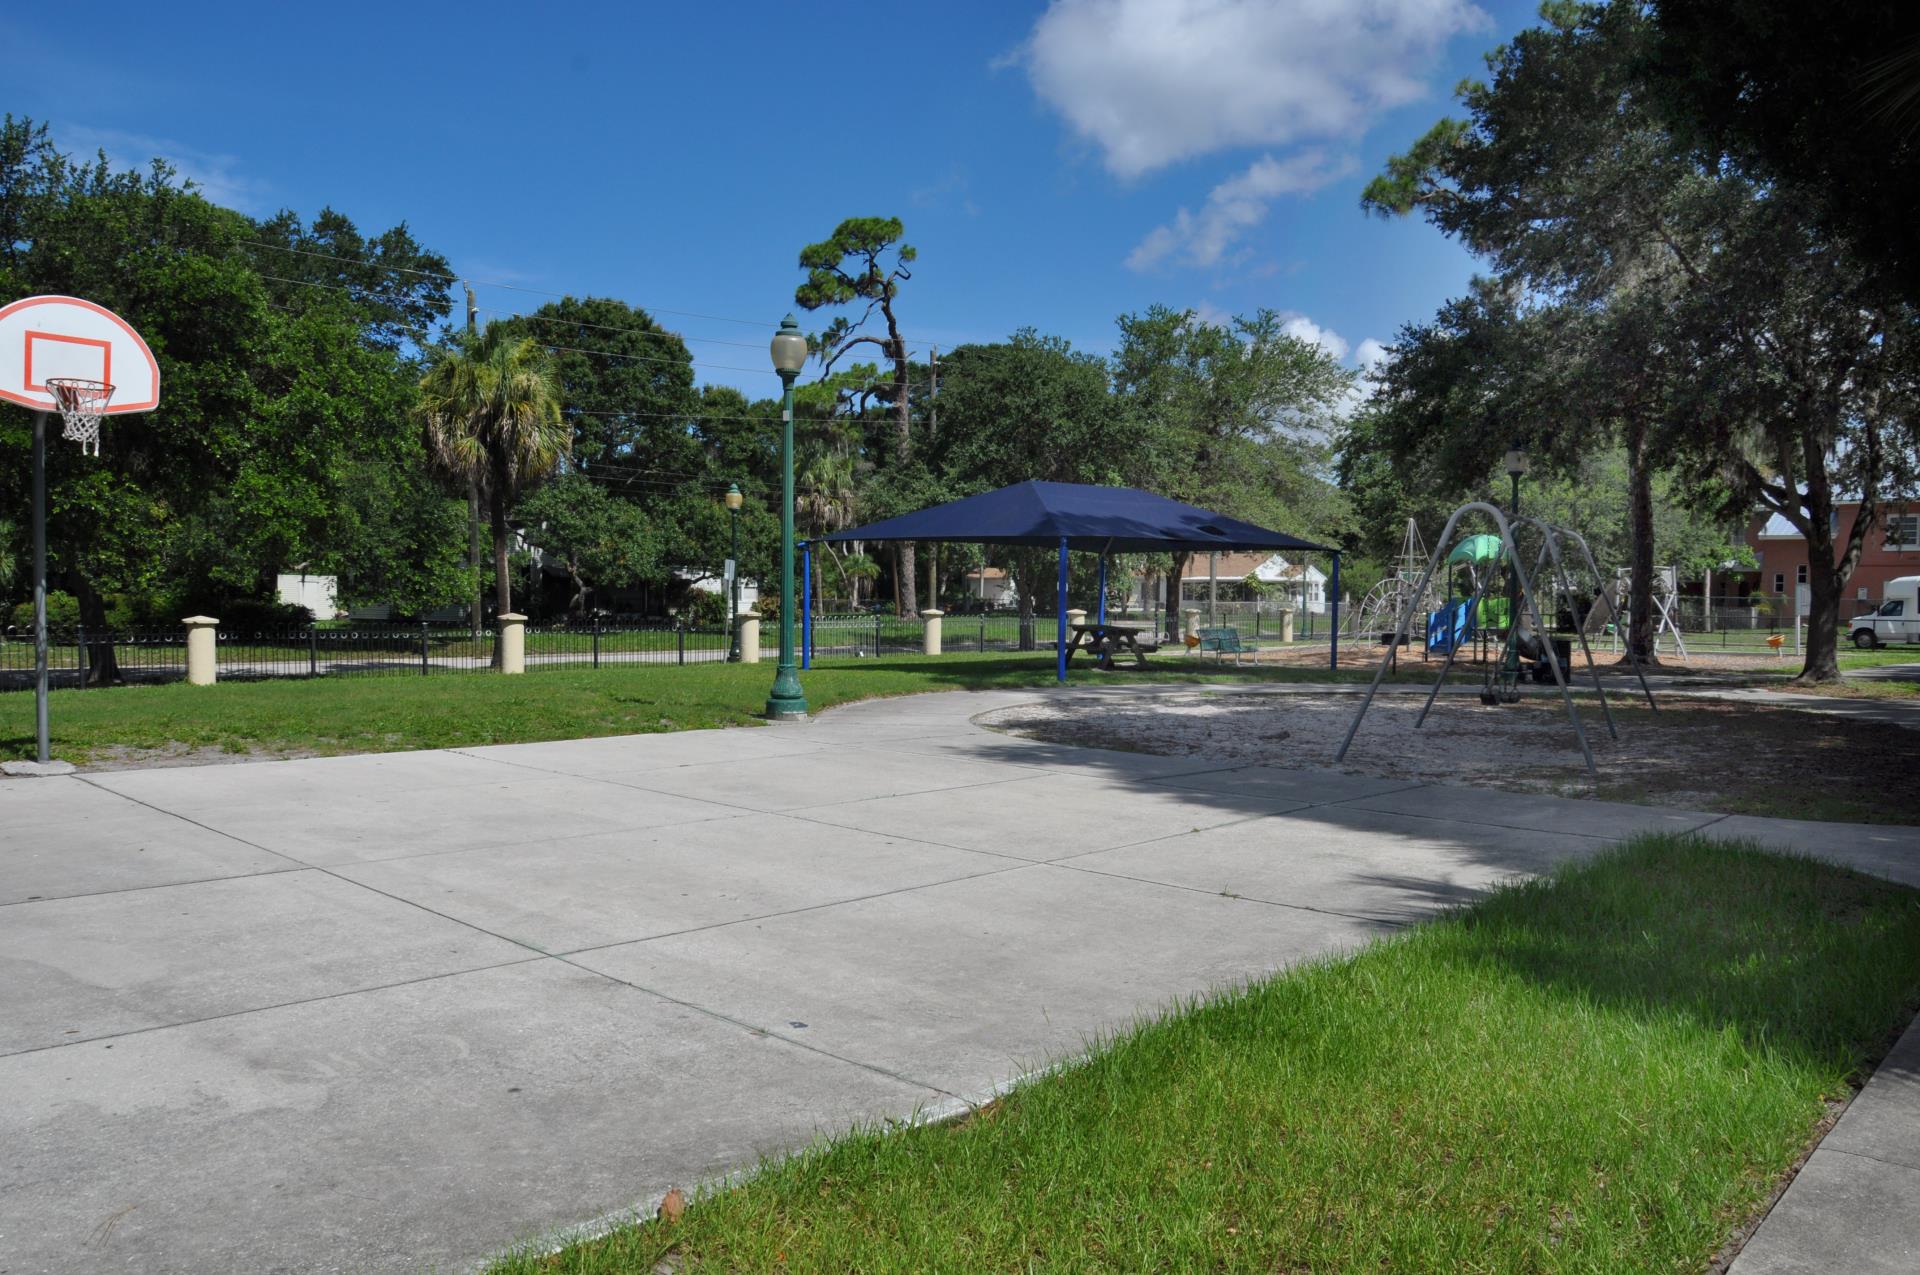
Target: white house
x=1230 y=572
x=700 y=582
x=320 y=595
x=991 y=586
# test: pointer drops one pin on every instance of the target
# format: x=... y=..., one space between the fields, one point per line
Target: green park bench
x=1223 y=641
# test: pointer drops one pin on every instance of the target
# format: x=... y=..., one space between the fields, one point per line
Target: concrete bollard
x=202 y=666
x=1286 y=624
x=749 y=622
x=1075 y=616
x=932 y=635
x=513 y=642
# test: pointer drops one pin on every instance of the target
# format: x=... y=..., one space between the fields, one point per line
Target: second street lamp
x=733 y=576
x=1516 y=470
x=788 y=703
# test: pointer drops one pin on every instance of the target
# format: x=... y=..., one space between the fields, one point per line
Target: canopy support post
x=1060 y=619
x=1100 y=616
x=1333 y=606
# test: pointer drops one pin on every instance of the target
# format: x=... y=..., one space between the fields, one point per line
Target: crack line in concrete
x=261 y=1009
x=157 y=885
x=1862 y=1155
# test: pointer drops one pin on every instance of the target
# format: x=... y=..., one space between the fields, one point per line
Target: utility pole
x=933 y=432
x=473 y=502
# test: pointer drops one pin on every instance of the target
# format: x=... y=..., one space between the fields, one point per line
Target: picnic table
x=1104 y=641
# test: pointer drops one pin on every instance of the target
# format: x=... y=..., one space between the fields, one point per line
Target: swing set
x=1501 y=684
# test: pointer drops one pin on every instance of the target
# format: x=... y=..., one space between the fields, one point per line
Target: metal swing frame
x=1551 y=537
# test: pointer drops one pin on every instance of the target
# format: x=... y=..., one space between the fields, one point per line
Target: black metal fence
x=421 y=649
x=595 y=644
x=141 y=655
x=360 y=650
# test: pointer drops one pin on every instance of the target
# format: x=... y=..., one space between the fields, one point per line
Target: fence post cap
x=512 y=617
x=200 y=621
x=932 y=613
x=748 y=615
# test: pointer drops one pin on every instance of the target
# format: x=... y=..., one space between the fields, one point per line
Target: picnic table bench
x=1104 y=641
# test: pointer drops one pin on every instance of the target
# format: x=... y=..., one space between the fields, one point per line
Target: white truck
x=1896 y=619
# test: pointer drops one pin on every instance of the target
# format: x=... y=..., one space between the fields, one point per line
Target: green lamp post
x=734 y=500
x=1516 y=470
x=788 y=703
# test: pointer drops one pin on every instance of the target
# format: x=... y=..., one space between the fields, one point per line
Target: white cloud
x=217 y=176
x=1371 y=354
x=1233 y=208
x=1153 y=82
x=1301 y=328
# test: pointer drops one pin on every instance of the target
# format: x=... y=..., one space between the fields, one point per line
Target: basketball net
x=81 y=404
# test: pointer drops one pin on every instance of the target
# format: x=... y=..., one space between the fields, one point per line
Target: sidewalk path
x=397 y=1012
x=1852 y=1207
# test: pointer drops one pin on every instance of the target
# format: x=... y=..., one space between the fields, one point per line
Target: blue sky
x=1055 y=164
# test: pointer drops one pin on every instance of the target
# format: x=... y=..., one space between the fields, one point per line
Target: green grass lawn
x=376 y=714
x=1606 y=1070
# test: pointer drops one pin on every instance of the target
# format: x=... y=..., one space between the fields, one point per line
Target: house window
x=1779 y=582
x=1903 y=532
x=1800 y=574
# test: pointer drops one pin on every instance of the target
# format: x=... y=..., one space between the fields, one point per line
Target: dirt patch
x=121 y=757
x=1699 y=754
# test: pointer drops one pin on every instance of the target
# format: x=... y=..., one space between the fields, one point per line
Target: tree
x=1676 y=292
x=490 y=413
x=398 y=289
x=625 y=386
x=1820 y=99
x=846 y=269
x=400 y=540
x=272 y=401
x=1233 y=417
x=1032 y=408
x=599 y=539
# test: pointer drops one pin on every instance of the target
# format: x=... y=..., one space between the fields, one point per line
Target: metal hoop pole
x=43 y=750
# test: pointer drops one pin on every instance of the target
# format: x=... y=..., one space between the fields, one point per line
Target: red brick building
x=1892 y=548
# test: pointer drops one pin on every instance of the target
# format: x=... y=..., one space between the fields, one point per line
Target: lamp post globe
x=1517 y=465
x=787 y=703
x=733 y=577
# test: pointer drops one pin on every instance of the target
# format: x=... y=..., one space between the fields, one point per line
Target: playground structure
x=1525 y=634
x=1666 y=594
x=1385 y=601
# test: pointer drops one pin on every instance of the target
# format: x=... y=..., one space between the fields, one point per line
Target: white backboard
x=43 y=337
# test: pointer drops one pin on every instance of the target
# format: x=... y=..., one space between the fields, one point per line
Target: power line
x=613 y=354
x=509 y=287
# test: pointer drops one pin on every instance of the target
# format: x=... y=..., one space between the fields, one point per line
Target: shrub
x=63 y=612
x=260 y=613
x=705 y=610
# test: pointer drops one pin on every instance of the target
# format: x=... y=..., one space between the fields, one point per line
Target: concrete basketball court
x=400 y=1012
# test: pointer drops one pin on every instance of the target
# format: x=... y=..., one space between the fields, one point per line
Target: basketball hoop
x=81 y=403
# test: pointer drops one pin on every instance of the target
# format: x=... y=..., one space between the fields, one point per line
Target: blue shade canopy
x=1102 y=519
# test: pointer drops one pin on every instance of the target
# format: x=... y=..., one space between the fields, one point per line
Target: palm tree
x=823 y=499
x=491 y=414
